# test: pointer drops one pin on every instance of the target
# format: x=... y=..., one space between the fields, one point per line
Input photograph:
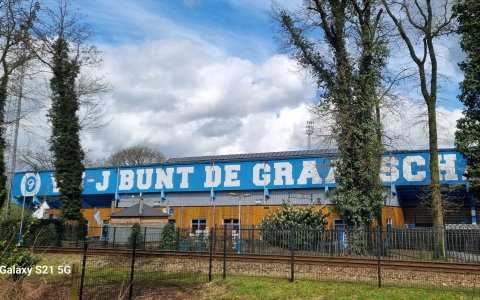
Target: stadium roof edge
x=246 y=157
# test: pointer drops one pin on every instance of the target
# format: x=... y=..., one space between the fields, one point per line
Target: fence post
x=74 y=283
x=144 y=238
x=445 y=243
x=292 y=252
x=215 y=238
x=114 y=234
x=211 y=257
x=130 y=293
x=378 y=257
x=85 y=246
x=224 y=251
x=253 y=239
x=178 y=238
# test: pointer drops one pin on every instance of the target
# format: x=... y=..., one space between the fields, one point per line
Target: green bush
x=136 y=231
x=10 y=255
x=276 y=228
x=167 y=237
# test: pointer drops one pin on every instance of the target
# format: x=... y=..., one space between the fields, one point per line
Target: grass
x=191 y=285
x=239 y=287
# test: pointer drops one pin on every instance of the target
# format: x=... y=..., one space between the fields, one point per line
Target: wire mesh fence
x=128 y=274
x=134 y=262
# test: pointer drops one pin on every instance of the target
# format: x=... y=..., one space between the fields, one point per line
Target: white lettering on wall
x=309 y=171
x=126 y=180
x=184 y=171
x=391 y=168
x=55 y=188
x=104 y=185
x=164 y=178
x=141 y=184
x=407 y=168
x=265 y=179
x=83 y=178
x=213 y=176
x=283 y=169
x=448 y=167
x=331 y=176
x=231 y=175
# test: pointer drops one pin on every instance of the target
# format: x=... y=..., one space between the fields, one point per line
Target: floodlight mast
x=239 y=210
x=309 y=132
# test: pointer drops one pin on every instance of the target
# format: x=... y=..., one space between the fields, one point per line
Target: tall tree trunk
x=3 y=176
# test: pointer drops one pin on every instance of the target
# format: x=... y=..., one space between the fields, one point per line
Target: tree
x=41 y=158
x=61 y=45
x=424 y=28
x=132 y=156
x=290 y=215
x=16 y=18
x=467 y=137
x=65 y=139
x=338 y=42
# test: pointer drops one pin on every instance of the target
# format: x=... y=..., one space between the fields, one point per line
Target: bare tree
x=16 y=18
x=132 y=156
x=422 y=23
x=35 y=158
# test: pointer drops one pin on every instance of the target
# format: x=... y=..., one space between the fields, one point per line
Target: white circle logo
x=30 y=184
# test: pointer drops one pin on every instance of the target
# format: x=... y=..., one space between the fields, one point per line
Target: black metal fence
x=422 y=243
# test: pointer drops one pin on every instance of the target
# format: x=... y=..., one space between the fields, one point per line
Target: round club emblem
x=30 y=184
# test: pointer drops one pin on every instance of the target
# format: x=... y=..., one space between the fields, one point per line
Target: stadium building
x=196 y=192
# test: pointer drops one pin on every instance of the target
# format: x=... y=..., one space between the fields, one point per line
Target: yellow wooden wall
x=250 y=215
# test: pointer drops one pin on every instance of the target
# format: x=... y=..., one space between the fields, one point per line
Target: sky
x=204 y=77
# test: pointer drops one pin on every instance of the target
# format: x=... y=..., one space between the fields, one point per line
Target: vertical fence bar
x=378 y=257
x=224 y=251
x=114 y=231
x=85 y=246
x=292 y=250
x=211 y=256
x=253 y=239
x=215 y=238
x=445 y=242
x=144 y=238
x=178 y=236
x=130 y=292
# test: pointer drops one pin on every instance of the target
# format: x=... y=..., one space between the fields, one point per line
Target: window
x=231 y=222
x=198 y=224
x=340 y=224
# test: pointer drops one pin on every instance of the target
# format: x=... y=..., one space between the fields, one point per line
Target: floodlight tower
x=309 y=132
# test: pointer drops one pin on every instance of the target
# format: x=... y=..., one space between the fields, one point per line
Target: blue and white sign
x=397 y=168
x=30 y=184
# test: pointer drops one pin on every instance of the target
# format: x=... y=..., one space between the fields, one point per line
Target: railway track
x=428 y=266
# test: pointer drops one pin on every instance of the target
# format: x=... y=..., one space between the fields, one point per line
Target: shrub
x=167 y=236
x=136 y=231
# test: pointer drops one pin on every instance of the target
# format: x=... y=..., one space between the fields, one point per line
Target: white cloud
x=185 y=98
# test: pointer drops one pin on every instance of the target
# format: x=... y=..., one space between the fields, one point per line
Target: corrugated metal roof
x=253 y=155
x=133 y=211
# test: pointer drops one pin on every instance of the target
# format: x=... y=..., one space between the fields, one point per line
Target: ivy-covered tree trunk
x=3 y=174
x=65 y=139
x=467 y=137
x=348 y=82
